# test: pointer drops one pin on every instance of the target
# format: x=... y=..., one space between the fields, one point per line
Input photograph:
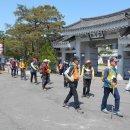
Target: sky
x=72 y=10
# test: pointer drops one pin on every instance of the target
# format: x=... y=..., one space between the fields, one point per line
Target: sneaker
x=83 y=95
x=105 y=111
x=118 y=113
x=45 y=89
x=78 y=108
x=65 y=105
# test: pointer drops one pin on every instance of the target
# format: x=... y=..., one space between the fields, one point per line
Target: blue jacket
x=106 y=81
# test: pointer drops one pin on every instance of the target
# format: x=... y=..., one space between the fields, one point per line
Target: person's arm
x=68 y=73
x=34 y=67
x=20 y=65
x=82 y=72
x=93 y=73
x=10 y=65
x=105 y=76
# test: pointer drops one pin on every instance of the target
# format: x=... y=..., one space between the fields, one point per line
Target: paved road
x=25 y=106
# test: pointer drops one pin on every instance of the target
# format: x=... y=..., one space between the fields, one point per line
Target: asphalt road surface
x=25 y=106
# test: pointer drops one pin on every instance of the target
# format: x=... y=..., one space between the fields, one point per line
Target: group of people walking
x=44 y=70
x=109 y=77
x=71 y=73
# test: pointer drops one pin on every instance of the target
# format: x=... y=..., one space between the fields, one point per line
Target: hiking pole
x=114 y=81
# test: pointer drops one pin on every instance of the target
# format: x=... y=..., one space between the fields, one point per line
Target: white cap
x=45 y=60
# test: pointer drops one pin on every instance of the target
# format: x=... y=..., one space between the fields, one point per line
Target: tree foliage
x=27 y=35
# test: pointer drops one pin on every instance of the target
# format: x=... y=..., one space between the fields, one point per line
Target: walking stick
x=115 y=82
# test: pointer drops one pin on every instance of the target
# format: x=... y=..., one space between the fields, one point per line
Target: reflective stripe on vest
x=32 y=65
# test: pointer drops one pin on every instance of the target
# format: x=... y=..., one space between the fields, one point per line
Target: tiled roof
x=89 y=22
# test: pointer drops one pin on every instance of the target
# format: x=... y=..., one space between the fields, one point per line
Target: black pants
x=86 y=84
x=23 y=74
x=35 y=76
x=60 y=71
x=45 y=80
x=116 y=95
x=13 y=71
x=73 y=92
x=17 y=71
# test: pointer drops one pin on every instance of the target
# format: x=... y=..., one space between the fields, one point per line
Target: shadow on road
x=48 y=88
x=71 y=104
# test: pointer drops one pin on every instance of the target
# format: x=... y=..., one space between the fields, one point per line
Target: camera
x=114 y=80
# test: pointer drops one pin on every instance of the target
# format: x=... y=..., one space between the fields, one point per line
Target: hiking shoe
x=45 y=89
x=83 y=95
x=118 y=113
x=78 y=108
x=105 y=111
x=65 y=105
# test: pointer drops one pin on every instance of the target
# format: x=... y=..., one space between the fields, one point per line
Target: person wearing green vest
x=33 y=70
x=110 y=86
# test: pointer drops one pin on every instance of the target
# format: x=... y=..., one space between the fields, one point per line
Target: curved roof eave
x=107 y=16
x=97 y=18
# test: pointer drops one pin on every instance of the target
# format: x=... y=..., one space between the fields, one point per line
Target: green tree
x=30 y=27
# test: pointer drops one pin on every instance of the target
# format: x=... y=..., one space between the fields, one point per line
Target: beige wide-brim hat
x=49 y=61
x=45 y=60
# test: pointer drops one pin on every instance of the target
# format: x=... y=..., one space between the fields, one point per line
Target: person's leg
x=60 y=71
x=21 y=73
x=75 y=94
x=105 y=97
x=35 y=77
x=15 y=71
x=31 y=77
x=117 y=103
x=12 y=72
x=69 y=95
x=24 y=74
x=84 y=87
x=88 y=86
x=48 y=80
x=44 y=82
x=117 y=99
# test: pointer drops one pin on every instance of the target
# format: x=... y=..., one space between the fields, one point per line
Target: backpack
x=102 y=77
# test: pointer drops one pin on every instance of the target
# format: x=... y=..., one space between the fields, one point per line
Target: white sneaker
x=105 y=111
x=118 y=113
x=65 y=105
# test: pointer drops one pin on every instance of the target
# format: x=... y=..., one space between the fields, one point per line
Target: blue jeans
x=116 y=95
